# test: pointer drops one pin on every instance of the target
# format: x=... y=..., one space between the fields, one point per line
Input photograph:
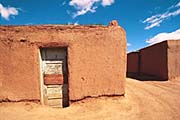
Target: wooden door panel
x=55 y=95
x=53 y=79
x=54 y=92
x=55 y=102
x=53 y=68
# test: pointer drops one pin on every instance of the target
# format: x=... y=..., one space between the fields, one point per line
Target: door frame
x=41 y=72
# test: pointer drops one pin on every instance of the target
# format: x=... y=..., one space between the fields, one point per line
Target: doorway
x=54 y=77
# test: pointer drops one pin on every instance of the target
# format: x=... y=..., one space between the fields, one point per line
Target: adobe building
x=160 y=60
x=57 y=64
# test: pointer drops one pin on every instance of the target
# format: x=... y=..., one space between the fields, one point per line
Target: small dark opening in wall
x=23 y=40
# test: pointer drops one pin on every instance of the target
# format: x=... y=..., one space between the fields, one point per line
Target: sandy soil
x=148 y=100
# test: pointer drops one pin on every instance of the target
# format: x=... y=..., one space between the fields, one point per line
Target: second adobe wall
x=159 y=60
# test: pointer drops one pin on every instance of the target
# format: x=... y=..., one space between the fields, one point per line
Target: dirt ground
x=144 y=100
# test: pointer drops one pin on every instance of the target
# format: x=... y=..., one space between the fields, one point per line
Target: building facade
x=57 y=64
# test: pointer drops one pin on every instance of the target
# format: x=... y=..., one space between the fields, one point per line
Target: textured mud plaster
x=20 y=73
x=173 y=52
x=96 y=59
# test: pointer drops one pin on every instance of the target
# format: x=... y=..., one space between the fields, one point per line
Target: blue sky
x=146 y=21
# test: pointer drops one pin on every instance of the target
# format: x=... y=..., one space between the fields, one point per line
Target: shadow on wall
x=144 y=77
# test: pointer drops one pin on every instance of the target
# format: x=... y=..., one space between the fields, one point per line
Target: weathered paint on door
x=55 y=80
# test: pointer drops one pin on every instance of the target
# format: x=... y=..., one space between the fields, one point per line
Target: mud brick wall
x=20 y=74
x=96 y=59
x=173 y=58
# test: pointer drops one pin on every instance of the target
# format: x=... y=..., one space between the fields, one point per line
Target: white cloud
x=154 y=24
x=6 y=12
x=63 y=3
x=156 y=20
x=164 y=36
x=178 y=4
x=128 y=44
x=84 y=6
x=174 y=6
x=76 y=23
x=107 y=2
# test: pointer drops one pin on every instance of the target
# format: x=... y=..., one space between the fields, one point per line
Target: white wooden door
x=55 y=81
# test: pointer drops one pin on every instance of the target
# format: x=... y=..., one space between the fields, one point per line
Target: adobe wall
x=20 y=73
x=96 y=59
x=153 y=60
x=173 y=58
x=133 y=62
